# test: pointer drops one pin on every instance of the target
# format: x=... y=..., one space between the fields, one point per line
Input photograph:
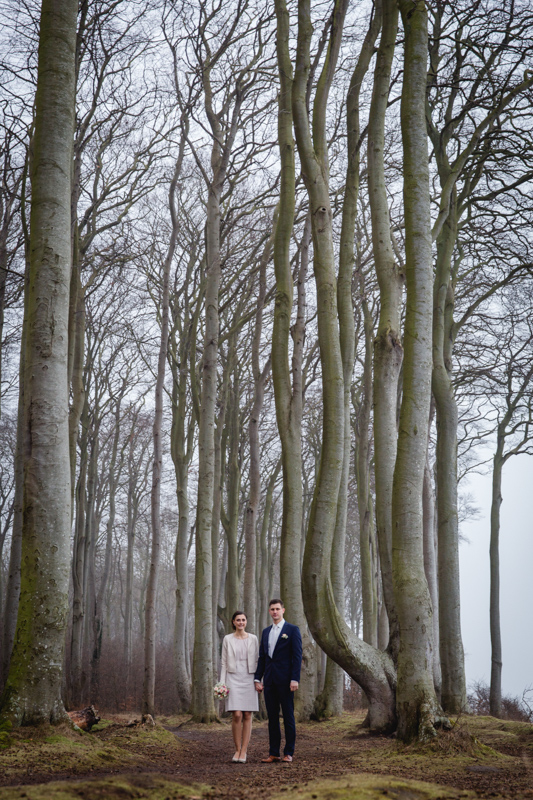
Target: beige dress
x=242 y=694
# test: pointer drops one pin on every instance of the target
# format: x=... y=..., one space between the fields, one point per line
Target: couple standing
x=248 y=667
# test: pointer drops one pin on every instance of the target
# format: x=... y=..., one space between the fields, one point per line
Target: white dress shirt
x=273 y=636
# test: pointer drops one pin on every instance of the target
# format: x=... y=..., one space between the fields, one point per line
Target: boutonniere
x=284 y=636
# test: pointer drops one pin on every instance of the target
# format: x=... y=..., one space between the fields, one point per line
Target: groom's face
x=276 y=611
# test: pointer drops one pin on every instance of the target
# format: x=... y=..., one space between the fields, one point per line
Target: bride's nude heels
x=242 y=760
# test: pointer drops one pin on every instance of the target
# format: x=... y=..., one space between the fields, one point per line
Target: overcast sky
x=516 y=552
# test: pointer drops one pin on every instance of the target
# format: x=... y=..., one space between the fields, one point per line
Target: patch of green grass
x=58 y=750
x=123 y=787
x=373 y=787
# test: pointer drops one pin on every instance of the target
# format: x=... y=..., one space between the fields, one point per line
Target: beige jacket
x=228 y=662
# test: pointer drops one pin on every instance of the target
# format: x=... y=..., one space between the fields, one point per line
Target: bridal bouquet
x=220 y=690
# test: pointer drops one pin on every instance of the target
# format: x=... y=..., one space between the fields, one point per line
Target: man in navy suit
x=278 y=671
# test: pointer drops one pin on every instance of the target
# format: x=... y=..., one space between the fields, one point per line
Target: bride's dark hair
x=237 y=614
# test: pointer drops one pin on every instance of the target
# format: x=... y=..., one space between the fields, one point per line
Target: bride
x=240 y=651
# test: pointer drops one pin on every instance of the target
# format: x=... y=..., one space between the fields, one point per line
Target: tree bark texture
x=418 y=709
x=32 y=693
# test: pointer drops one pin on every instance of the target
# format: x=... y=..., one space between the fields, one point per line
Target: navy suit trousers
x=274 y=698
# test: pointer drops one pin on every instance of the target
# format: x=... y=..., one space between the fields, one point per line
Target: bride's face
x=240 y=622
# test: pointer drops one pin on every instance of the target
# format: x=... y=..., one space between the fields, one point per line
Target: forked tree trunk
x=417 y=705
x=32 y=694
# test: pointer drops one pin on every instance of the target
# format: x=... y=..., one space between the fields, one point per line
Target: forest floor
x=480 y=758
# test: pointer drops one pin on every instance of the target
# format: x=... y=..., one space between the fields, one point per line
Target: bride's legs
x=237 y=730
x=246 y=731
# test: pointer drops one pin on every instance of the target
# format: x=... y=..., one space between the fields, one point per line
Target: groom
x=278 y=669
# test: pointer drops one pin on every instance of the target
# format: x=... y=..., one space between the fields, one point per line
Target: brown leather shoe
x=270 y=759
x=287 y=758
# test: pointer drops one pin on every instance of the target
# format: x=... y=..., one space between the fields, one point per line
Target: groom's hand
x=258 y=687
x=294 y=686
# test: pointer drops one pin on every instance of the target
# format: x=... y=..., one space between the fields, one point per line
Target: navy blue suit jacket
x=286 y=661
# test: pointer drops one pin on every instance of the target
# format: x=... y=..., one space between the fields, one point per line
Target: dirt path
x=326 y=751
x=206 y=758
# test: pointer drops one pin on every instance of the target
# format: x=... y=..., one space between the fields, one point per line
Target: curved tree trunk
x=417 y=705
x=372 y=669
x=32 y=694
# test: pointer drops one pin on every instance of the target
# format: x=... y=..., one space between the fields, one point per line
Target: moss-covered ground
x=335 y=760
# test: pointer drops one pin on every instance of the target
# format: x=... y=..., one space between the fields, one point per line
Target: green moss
x=51 y=751
x=373 y=787
x=123 y=787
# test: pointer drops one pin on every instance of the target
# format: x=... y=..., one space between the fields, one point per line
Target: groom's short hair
x=276 y=601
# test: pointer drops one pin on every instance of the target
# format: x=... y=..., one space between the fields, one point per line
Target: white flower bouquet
x=220 y=690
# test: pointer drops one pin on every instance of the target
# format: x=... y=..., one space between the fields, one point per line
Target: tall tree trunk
x=495 y=696
x=15 y=555
x=388 y=351
x=252 y=506
x=148 y=701
x=288 y=393
x=32 y=694
x=78 y=569
x=364 y=497
x=453 y=694
x=181 y=451
x=203 y=708
x=430 y=566
x=233 y=470
x=372 y=669
x=98 y=619
x=417 y=705
x=331 y=700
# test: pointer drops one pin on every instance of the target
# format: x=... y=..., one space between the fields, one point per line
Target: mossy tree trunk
x=32 y=694
x=418 y=709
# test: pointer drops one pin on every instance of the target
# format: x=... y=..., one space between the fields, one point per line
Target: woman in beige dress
x=240 y=651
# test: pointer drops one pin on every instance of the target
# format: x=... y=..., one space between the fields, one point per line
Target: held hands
x=294 y=686
x=258 y=687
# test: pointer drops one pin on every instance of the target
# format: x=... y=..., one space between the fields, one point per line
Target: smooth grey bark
x=453 y=690
x=388 y=351
x=32 y=693
x=430 y=565
x=418 y=709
